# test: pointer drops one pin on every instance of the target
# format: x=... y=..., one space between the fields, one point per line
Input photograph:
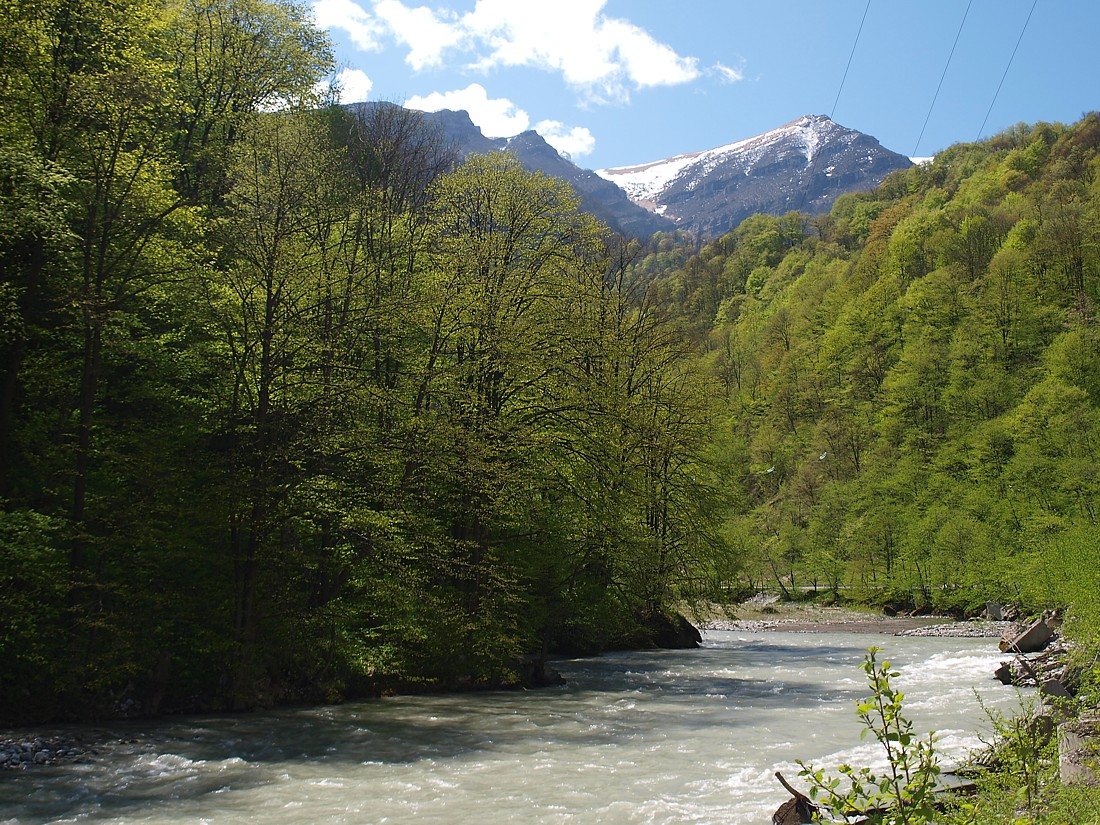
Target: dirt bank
x=811 y=618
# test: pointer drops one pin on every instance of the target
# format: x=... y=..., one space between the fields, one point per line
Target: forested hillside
x=292 y=408
x=911 y=383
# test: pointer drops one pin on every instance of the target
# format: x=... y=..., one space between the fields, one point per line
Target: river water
x=650 y=737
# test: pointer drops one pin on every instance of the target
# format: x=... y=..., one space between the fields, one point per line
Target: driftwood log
x=800 y=809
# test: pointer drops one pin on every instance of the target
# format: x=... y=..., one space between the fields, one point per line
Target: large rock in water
x=536 y=673
x=672 y=632
x=1034 y=638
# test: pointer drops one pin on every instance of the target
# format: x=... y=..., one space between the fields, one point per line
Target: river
x=644 y=737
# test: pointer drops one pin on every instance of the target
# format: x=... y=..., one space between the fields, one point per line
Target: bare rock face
x=1032 y=639
x=598 y=197
x=1079 y=751
x=803 y=165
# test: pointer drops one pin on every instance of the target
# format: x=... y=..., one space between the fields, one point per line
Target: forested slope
x=912 y=382
x=293 y=409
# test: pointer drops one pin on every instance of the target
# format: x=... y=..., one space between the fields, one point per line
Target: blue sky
x=616 y=82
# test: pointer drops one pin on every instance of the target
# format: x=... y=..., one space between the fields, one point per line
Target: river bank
x=37 y=747
x=807 y=617
x=688 y=736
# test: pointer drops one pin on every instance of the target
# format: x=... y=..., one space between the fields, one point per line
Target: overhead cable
x=814 y=155
x=942 y=76
x=850 y=56
x=989 y=111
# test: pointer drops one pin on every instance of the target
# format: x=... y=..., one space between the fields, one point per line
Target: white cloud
x=361 y=26
x=496 y=117
x=574 y=141
x=728 y=74
x=602 y=55
x=426 y=34
x=500 y=117
x=354 y=85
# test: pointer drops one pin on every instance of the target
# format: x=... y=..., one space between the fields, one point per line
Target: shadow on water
x=761 y=651
x=608 y=701
x=198 y=760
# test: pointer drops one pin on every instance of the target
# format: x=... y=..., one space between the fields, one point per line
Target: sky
x=619 y=82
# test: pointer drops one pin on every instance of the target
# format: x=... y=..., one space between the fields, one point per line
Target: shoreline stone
x=39 y=751
x=899 y=626
x=961 y=630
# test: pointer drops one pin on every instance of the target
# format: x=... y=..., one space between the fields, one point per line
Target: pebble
x=20 y=755
x=961 y=630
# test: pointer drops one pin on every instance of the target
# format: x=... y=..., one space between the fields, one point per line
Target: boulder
x=1079 y=751
x=1054 y=689
x=994 y=612
x=793 y=812
x=536 y=673
x=1032 y=639
x=673 y=632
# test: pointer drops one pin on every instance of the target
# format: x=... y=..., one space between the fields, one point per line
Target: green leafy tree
x=905 y=791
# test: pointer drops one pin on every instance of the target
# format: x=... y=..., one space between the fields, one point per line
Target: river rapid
x=643 y=737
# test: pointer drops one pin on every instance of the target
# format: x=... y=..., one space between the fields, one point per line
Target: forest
x=297 y=407
x=909 y=385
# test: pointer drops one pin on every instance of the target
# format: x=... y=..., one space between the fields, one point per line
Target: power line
x=1009 y=66
x=813 y=160
x=942 y=76
x=850 y=56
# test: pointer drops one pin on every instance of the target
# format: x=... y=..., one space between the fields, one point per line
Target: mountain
x=802 y=165
x=599 y=197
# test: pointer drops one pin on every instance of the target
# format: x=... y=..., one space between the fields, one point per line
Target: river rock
x=1031 y=640
x=969 y=630
x=673 y=632
x=50 y=750
x=793 y=812
x=797 y=810
x=1054 y=689
x=536 y=673
x=1078 y=751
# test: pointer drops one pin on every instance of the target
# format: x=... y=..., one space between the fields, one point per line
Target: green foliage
x=905 y=792
x=1026 y=762
x=292 y=407
x=32 y=588
x=913 y=377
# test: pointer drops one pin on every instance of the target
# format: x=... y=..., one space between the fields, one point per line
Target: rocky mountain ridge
x=599 y=197
x=803 y=165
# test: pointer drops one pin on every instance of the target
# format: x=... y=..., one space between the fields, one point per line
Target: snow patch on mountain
x=646 y=181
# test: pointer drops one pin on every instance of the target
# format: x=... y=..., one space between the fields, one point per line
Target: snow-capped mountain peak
x=802 y=164
x=645 y=181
